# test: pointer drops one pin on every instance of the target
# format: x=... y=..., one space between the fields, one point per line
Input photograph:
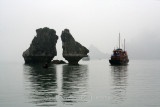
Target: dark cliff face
x=72 y=50
x=43 y=46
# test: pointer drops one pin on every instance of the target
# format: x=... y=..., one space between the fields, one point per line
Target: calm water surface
x=91 y=84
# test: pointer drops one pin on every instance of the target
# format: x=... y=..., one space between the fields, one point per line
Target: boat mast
x=119 y=40
x=124 y=44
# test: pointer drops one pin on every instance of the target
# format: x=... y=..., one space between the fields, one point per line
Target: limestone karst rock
x=43 y=47
x=72 y=50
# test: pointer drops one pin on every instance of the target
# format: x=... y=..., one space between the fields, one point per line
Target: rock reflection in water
x=41 y=84
x=74 y=84
x=119 y=84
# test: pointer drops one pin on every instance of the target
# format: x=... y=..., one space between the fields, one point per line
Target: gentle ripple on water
x=91 y=84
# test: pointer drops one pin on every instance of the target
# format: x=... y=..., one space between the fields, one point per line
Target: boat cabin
x=118 y=53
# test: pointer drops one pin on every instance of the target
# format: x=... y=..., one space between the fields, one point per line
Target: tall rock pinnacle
x=72 y=50
x=43 y=47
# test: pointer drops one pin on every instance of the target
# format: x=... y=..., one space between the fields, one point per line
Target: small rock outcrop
x=58 y=62
x=43 y=47
x=72 y=50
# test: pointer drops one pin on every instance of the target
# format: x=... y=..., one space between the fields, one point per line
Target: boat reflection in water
x=74 y=84
x=41 y=84
x=119 y=83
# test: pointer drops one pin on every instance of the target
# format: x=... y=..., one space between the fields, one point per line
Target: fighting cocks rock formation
x=43 y=47
x=72 y=50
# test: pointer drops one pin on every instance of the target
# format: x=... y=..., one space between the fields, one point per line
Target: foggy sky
x=96 y=22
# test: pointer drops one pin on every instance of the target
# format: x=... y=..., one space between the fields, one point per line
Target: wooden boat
x=119 y=56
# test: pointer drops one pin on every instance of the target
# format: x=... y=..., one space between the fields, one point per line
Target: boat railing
x=115 y=55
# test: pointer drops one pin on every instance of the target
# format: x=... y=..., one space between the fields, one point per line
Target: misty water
x=91 y=84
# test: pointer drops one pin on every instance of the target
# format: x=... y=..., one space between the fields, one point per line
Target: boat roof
x=118 y=49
